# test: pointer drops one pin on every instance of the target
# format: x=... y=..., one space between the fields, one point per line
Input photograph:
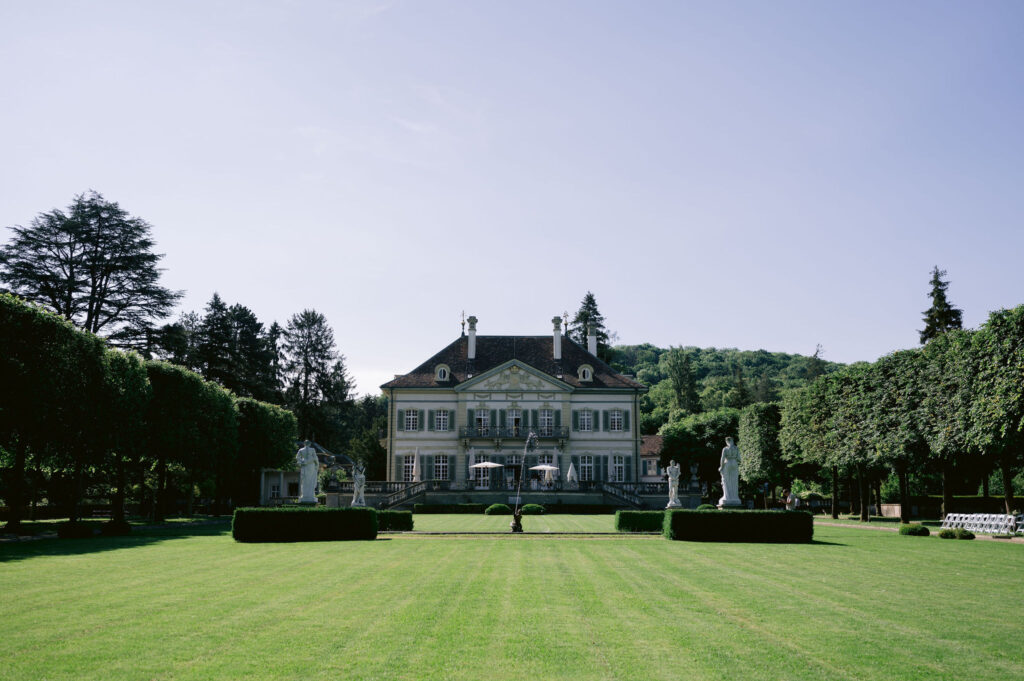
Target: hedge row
x=532 y=509
x=298 y=523
x=448 y=508
x=394 y=521
x=498 y=509
x=739 y=526
x=581 y=509
x=639 y=521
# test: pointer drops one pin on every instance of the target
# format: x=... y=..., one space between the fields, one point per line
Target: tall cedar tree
x=316 y=383
x=589 y=316
x=941 y=316
x=684 y=381
x=92 y=264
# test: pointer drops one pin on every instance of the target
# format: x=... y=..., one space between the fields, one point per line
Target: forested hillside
x=691 y=380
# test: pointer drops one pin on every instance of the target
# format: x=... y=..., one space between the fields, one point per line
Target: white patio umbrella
x=571 y=476
x=488 y=464
x=416 y=466
x=544 y=467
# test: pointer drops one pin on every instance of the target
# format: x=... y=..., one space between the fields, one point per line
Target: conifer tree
x=589 y=316
x=941 y=316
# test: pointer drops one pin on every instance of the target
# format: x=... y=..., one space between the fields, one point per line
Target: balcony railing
x=513 y=433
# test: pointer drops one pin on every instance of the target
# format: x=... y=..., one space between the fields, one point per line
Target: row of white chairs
x=986 y=523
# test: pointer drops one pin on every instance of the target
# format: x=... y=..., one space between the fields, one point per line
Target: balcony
x=514 y=433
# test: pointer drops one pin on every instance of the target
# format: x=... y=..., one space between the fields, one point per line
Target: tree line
x=81 y=419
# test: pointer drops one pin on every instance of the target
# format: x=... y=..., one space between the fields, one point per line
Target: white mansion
x=477 y=399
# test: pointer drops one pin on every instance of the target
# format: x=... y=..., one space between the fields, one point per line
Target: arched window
x=585 y=372
x=442 y=372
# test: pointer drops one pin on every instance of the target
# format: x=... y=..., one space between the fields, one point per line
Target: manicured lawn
x=855 y=605
x=478 y=522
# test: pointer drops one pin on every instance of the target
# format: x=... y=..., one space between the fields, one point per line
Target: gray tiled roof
x=493 y=351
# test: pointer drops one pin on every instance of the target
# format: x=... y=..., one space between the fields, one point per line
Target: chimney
x=592 y=340
x=472 y=337
x=557 y=337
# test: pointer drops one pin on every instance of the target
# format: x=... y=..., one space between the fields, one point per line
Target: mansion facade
x=477 y=399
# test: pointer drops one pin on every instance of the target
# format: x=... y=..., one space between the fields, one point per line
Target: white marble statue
x=358 y=485
x=309 y=468
x=729 y=467
x=673 y=472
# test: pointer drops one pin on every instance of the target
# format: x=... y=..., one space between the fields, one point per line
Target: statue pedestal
x=730 y=503
x=674 y=503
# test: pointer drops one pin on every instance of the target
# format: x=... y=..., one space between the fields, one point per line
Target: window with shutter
x=401 y=420
x=430 y=420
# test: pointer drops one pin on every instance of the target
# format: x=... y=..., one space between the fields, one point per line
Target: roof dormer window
x=585 y=372
x=442 y=373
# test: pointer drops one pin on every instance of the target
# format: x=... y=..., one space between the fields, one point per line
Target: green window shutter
x=625 y=419
x=419 y=417
x=576 y=463
x=558 y=418
x=451 y=419
x=533 y=418
x=430 y=420
x=401 y=422
x=575 y=420
x=604 y=420
x=524 y=418
x=469 y=419
x=501 y=418
x=629 y=468
x=451 y=466
x=428 y=468
x=494 y=418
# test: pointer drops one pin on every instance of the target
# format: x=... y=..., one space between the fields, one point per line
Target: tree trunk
x=16 y=491
x=984 y=486
x=835 y=492
x=904 y=485
x=191 y=495
x=74 y=510
x=878 y=496
x=851 y=490
x=121 y=480
x=947 y=488
x=1006 y=464
x=865 y=494
x=160 y=493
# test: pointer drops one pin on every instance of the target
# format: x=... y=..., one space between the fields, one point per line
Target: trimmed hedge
x=303 y=523
x=739 y=526
x=532 y=509
x=498 y=509
x=448 y=508
x=958 y=533
x=639 y=521
x=707 y=507
x=581 y=509
x=75 y=530
x=394 y=521
x=914 y=530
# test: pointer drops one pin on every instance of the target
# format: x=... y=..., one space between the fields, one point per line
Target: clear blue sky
x=738 y=174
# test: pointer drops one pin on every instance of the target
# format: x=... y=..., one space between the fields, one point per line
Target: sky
x=729 y=174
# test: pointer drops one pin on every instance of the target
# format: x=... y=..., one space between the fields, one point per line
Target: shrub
x=394 y=521
x=707 y=507
x=116 y=528
x=303 y=523
x=533 y=509
x=448 y=508
x=581 y=509
x=639 y=521
x=74 y=530
x=958 y=533
x=947 y=533
x=914 y=530
x=739 y=526
x=498 y=509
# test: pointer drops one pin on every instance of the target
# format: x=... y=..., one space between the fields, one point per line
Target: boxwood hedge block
x=448 y=508
x=303 y=523
x=739 y=526
x=914 y=530
x=394 y=521
x=532 y=509
x=639 y=521
x=498 y=509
